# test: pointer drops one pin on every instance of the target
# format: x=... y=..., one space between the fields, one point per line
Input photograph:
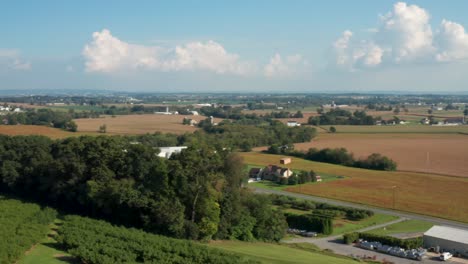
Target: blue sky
x=310 y=46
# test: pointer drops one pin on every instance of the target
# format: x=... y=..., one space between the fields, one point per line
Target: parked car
x=445 y=256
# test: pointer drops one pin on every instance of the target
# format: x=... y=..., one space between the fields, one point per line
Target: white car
x=445 y=256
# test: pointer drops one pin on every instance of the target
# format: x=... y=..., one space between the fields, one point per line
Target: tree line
x=340 y=156
x=47 y=117
x=196 y=194
x=339 y=116
x=246 y=136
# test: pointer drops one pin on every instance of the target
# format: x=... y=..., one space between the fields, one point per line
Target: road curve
x=435 y=220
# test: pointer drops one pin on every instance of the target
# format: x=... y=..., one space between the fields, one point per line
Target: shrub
x=350 y=237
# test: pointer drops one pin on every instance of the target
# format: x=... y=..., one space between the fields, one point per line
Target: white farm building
x=447 y=239
x=166 y=152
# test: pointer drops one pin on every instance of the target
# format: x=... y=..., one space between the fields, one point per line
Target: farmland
x=434 y=153
x=138 y=124
x=414 y=192
x=24 y=130
x=418 y=129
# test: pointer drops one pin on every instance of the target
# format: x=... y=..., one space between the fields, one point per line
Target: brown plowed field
x=434 y=153
x=138 y=124
x=25 y=130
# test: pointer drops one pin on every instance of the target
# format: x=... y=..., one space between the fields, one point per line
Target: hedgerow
x=95 y=241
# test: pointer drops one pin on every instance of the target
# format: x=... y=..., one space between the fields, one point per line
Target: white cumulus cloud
x=452 y=41
x=408 y=32
x=11 y=59
x=107 y=53
x=350 y=54
x=403 y=36
x=285 y=67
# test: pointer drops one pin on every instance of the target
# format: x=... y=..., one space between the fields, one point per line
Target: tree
x=430 y=111
x=332 y=129
x=71 y=126
x=102 y=128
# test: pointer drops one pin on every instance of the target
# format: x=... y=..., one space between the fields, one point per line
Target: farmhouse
x=285 y=160
x=166 y=152
x=455 y=121
x=273 y=172
x=447 y=239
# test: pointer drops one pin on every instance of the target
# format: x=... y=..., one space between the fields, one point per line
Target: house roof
x=255 y=170
x=454 y=119
x=448 y=233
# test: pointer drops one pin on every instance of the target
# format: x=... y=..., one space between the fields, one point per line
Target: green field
x=277 y=253
x=408 y=226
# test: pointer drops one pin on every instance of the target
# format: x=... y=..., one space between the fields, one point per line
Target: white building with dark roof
x=447 y=239
x=166 y=152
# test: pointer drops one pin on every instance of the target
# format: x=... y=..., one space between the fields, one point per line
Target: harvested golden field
x=25 y=130
x=436 y=195
x=138 y=124
x=302 y=120
x=426 y=129
x=434 y=153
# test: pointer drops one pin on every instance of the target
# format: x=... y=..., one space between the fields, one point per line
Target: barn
x=447 y=239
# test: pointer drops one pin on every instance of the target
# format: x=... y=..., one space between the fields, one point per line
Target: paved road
x=435 y=220
x=335 y=243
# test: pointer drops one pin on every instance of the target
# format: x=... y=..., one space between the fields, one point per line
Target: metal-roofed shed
x=448 y=239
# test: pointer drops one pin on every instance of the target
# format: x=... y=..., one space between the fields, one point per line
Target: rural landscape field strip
x=413 y=192
x=138 y=124
x=25 y=130
x=430 y=153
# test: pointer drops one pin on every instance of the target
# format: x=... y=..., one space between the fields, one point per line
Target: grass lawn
x=408 y=226
x=419 y=193
x=341 y=226
x=277 y=253
x=276 y=186
x=47 y=252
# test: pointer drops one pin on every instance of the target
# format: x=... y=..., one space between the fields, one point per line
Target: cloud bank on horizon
x=107 y=54
x=403 y=36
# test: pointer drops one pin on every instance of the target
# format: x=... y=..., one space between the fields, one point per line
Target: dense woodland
x=339 y=116
x=246 y=136
x=195 y=195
